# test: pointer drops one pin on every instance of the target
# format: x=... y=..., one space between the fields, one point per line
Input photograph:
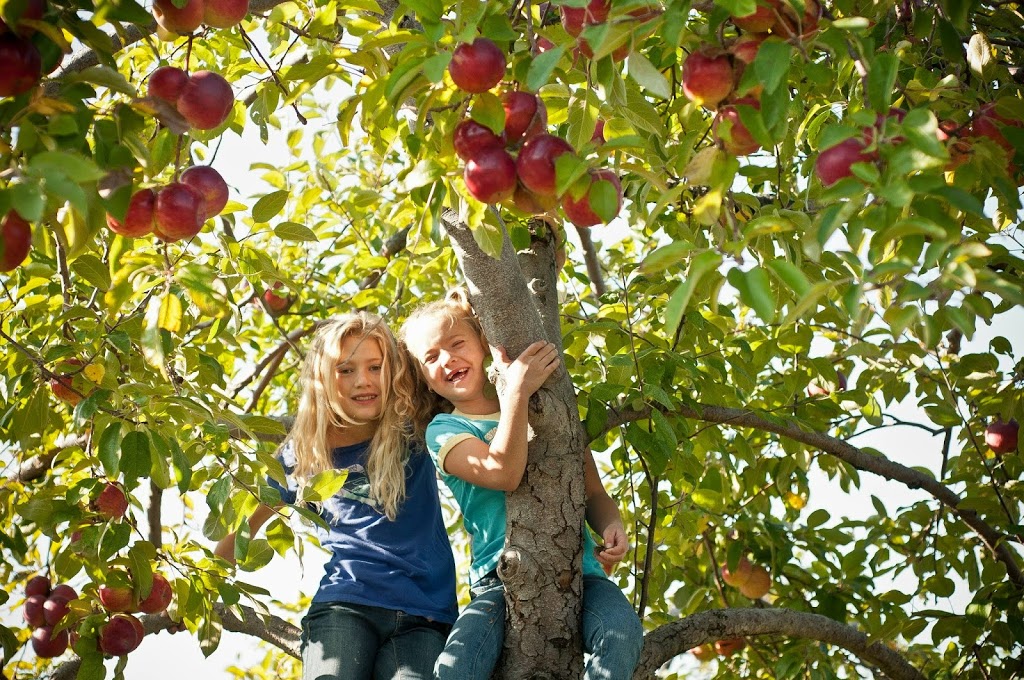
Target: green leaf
x=488 y=111
x=104 y=76
x=135 y=457
x=882 y=80
x=772 y=63
x=293 y=231
x=791 y=275
x=62 y=164
x=209 y=636
x=677 y=302
x=90 y=268
x=755 y=291
x=269 y=206
x=258 y=556
x=647 y=76
x=323 y=485
x=110 y=448
x=665 y=257
x=541 y=68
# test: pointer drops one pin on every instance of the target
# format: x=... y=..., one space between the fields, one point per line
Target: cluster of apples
x=174 y=211
x=123 y=633
x=174 y=20
x=1001 y=436
x=204 y=99
x=595 y=13
x=45 y=608
x=752 y=580
x=25 y=53
x=493 y=174
x=15 y=240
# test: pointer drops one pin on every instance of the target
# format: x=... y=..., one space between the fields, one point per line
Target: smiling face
x=357 y=379
x=451 y=357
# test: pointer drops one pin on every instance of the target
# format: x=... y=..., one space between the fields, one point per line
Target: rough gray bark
x=541 y=565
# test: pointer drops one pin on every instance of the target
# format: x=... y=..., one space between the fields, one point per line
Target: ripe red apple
x=206 y=100
x=490 y=175
x=276 y=304
x=575 y=18
x=167 y=82
x=55 y=609
x=730 y=131
x=65 y=591
x=182 y=20
x=120 y=635
x=33 y=611
x=37 y=585
x=209 y=183
x=833 y=164
x=1001 y=436
x=111 y=502
x=138 y=220
x=760 y=20
x=758 y=584
x=536 y=162
x=578 y=209
x=730 y=646
x=737 y=578
x=159 y=596
x=525 y=115
x=707 y=76
x=178 y=212
x=117 y=598
x=477 y=66
x=704 y=653
x=746 y=46
x=15 y=240
x=471 y=137
x=21 y=65
x=225 y=13
x=988 y=123
x=47 y=644
x=31 y=9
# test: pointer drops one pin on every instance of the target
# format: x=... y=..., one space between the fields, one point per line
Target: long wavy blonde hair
x=446 y=312
x=320 y=408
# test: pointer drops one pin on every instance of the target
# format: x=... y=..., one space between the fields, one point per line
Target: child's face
x=452 y=359
x=357 y=378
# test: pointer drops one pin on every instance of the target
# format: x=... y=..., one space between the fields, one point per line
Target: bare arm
x=603 y=516
x=226 y=546
x=501 y=464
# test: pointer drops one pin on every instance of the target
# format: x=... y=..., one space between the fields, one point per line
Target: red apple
x=575 y=18
x=477 y=66
x=1001 y=436
x=167 y=82
x=209 y=183
x=117 y=598
x=707 y=76
x=531 y=203
x=619 y=54
x=704 y=653
x=63 y=385
x=178 y=212
x=15 y=240
x=47 y=644
x=730 y=646
x=276 y=304
x=31 y=9
x=138 y=220
x=525 y=115
x=21 y=65
x=470 y=138
x=578 y=209
x=490 y=175
x=159 y=596
x=33 y=611
x=55 y=609
x=65 y=591
x=730 y=131
x=37 y=585
x=833 y=164
x=536 y=162
x=740 y=576
x=206 y=100
x=182 y=20
x=988 y=123
x=120 y=635
x=746 y=46
x=758 y=584
x=225 y=13
x=111 y=502
x=760 y=20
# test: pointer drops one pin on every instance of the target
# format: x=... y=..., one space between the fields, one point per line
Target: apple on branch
x=21 y=65
x=178 y=212
x=205 y=100
x=603 y=188
x=708 y=76
x=210 y=184
x=490 y=175
x=47 y=644
x=225 y=13
x=121 y=635
x=525 y=116
x=159 y=597
x=111 y=502
x=179 y=20
x=138 y=220
x=470 y=138
x=535 y=164
x=276 y=304
x=477 y=66
x=15 y=240
x=1001 y=436
x=731 y=133
x=835 y=162
x=729 y=646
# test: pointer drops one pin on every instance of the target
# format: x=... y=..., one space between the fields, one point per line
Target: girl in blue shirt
x=480 y=449
x=387 y=599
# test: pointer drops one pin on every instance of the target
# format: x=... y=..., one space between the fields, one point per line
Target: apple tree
x=760 y=230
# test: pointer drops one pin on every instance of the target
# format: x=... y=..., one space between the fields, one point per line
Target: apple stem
x=273 y=72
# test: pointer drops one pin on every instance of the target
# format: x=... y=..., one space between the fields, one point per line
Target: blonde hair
x=446 y=312
x=320 y=408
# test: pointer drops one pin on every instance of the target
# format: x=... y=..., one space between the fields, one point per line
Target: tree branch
x=672 y=639
x=994 y=540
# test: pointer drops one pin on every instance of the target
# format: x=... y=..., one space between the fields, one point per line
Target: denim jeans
x=342 y=641
x=612 y=633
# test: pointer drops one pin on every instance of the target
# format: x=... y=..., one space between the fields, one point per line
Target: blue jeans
x=612 y=633
x=342 y=641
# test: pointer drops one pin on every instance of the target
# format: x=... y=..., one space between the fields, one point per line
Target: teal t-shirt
x=483 y=510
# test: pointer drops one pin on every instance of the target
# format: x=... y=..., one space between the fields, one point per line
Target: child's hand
x=615 y=547
x=531 y=368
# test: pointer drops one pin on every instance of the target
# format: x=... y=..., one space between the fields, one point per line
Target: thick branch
x=673 y=639
x=879 y=465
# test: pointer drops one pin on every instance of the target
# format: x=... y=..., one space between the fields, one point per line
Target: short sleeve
x=443 y=433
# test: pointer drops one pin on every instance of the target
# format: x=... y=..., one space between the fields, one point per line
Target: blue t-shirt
x=404 y=565
x=483 y=509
